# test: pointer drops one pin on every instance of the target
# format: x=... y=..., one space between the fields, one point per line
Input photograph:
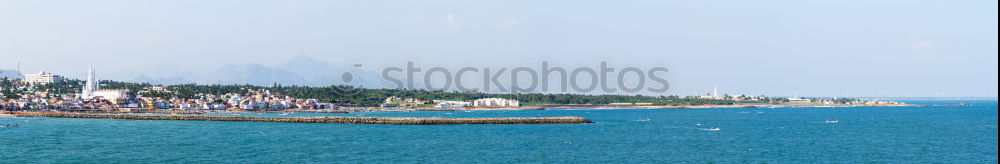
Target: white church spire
x=90 y=86
x=715 y=92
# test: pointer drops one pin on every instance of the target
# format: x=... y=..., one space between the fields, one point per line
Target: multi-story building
x=42 y=78
x=495 y=102
x=451 y=104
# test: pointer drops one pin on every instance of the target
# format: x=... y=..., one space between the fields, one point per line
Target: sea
x=936 y=133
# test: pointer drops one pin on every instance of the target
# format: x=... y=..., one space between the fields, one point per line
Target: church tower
x=90 y=86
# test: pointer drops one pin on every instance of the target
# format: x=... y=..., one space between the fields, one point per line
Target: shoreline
x=322 y=119
x=436 y=109
x=634 y=107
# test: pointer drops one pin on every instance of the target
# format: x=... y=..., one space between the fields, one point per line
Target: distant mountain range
x=300 y=70
x=10 y=73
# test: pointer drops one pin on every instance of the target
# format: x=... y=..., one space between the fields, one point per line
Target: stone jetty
x=323 y=119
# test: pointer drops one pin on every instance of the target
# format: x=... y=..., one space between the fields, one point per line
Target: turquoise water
x=952 y=134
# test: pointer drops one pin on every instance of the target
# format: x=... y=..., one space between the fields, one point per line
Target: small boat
x=10 y=125
x=284 y=114
x=643 y=120
x=712 y=129
x=831 y=121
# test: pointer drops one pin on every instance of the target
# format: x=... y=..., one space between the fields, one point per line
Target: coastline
x=632 y=107
x=439 y=109
x=322 y=119
x=635 y=107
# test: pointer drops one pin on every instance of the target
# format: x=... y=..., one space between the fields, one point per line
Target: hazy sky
x=782 y=48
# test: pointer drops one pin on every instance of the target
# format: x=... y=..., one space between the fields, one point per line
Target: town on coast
x=54 y=93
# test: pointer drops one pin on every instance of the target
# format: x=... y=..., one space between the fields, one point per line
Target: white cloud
x=924 y=47
x=506 y=24
x=294 y=6
x=454 y=20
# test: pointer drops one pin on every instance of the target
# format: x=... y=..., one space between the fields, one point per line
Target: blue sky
x=782 y=48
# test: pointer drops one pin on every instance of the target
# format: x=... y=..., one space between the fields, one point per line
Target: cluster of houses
x=254 y=101
x=91 y=97
x=265 y=100
x=794 y=100
x=797 y=100
x=46 y=101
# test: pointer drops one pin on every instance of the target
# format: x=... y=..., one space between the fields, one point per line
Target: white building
x=110 y=94
x=715 y=94
x=158 y=88
x=798 y=100
x=451 y=104
x=42 y=78
x=90 y=86
x=92 y=89
x=495 y=102
x=397 y=101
